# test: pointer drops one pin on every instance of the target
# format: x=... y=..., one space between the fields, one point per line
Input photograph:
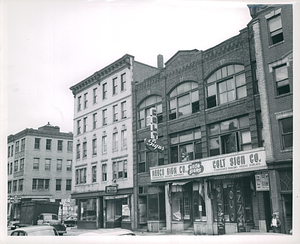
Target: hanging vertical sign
x=240 y=210
x=231 y=202
x=220 y=209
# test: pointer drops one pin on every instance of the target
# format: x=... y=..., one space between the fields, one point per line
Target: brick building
x=220 y=129
x=40 y=168
x=102 y=169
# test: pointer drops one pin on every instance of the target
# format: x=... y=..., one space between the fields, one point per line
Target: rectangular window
x=123 y=108
x=124 y=138
x=282 y=80
x=287 y=132
x=12 y=150
x=275 y=26
x=70 y=146
x=115 y=141
x=81 y=176
x=104 y=91
x=69 y=165
x=22 y=164
x=16 y=166
x=104 y=172
x=94 y=120
x=94 y=173
x=94 y=147
x=8 y=152
x=23 y=145
x=84 y=124
x=48 y=144
x=104 y=117
x=85 y=100
x=79 y=103
x=11 y=168
x=40 y=184
x=58 y=185
x=68 y=185
x=15 y=185
x=95 y=95
x=36 y=163
x=115 y=86
x=47 y=164
x=59 y=165
x=84 y=149
x=9 y=187
x=17 y=146
x=78 y=127
x=78 y=151
x=37 y=143
x=104 y=144
x=59 y=145
x=21 y=185
x=123 y=82
x=115 y=112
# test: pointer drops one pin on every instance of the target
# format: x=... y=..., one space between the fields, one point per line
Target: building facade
x=103 y=159
x=227 y=159
x=40 y=168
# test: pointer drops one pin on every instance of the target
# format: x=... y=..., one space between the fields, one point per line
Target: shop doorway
x=287 y=212
x=267 y=205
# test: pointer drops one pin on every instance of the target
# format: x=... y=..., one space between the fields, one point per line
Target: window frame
x=95 y=94
x=58 y=184
x=104 y=91
x=115 y=141
x=123 y=110
x=104 y=144
x=115 y=85
x=104 y=172
x=68 y=184
x=79 y=104
x=284 y=134
x=94 y=121
x=60 y=145
x=59 y=164
x=104 y=117
x=94 y=173
x=94 y=146
x=37 y=143
x=115 y=112
x=80 y=176
x=119 y=169
x=48 y=164
x=278 y=89
x=85 y=100
x=276 y=35
x=84 y=125
x=123 y=82
x=84 y=150
x=69 y=165
x=36 y=163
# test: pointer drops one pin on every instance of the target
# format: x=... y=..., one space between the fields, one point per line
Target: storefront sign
x=114 y=197
x=111 y=189
x=223 y=164
x=125 y=210
x=154 y=145
x=262 y=182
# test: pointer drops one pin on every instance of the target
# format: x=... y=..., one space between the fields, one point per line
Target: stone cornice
x=100 y=75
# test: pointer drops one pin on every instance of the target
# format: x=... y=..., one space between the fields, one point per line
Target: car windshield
x=50 y=217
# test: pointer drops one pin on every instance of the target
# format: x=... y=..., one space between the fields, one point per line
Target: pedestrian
x=275 y=223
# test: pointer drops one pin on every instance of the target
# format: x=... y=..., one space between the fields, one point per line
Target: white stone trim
x=284 y=114
x=273 y=13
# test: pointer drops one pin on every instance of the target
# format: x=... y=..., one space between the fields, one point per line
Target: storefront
x=216 y=195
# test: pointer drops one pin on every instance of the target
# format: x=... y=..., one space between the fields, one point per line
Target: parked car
x=13 y=224
x=52 y=219
x=35 y=230
x=70 y=221
x=109 y=232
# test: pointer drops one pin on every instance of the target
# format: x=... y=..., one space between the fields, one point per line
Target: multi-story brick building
x=218 y=127
x=40 y=168
x=103 y=168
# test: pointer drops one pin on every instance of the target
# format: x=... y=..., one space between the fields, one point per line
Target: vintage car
x=52 y=219
x=35 y=230
x=70 y=221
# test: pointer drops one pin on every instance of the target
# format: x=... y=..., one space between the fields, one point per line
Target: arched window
x=144 y=110
x=225 y=85
x=184 y=100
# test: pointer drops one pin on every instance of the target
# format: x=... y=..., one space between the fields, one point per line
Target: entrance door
x=267 y=205
x=288 y=212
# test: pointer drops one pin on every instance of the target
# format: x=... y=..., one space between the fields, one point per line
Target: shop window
x=275 y=27
x=184 y=100
x=282 y=80
x=180 y=206
x=186 y=146
x=88 y=209
x=287 y=132
x=229 y=136
x=199 y=207
x=144 y=110
x=225 y=85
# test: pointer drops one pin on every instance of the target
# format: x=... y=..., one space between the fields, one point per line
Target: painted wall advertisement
x=223 y=164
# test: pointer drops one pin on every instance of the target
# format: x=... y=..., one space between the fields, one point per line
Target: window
x=69 y=165
x=94 y=147
x=275 y=26
x=68 y=185
x=186 y=146
x=144 y=110
x=17 y=146
x=123 y=110
x=16 y=166
x=123 y=82
x=22 y=164
x=229 y=136
x=184 y=100
x=78 y=151
x=95 y=95
x=115 y=113
x=282 y=80
x=104 y=172
x=10 y=169
x=84 y=124
x=199 y=208
x=70 y=146
x=23 y=145
x=79 y=103
x=104 y=144
x=181 y=205
x=20 y=185
x=58 y=185
x=59 y=145
x=59 y=165
x=12 y=150
x=94 y=120
x=8 y=152
x=104 y=117
x=36 y=163
x=84 y=149
x=85 y=100
x=115 y=86
x=115 y=141
x=287 y=132
x=225 y=85
x=124 y=138
x=94 y=173
x=104 y=91
x=48 y=164
x=9 y=187
x=37 y=143
x=40 y=184
x=78 y=127
x=120 y=169
x=81 y=176
x=254 y=77
x=15 y=185
x=48 y=144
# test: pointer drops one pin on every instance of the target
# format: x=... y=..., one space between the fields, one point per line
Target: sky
x=50 y=45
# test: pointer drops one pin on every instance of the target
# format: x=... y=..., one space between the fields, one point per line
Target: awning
x=182 y=183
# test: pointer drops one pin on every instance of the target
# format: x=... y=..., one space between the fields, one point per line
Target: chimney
x=160 y=61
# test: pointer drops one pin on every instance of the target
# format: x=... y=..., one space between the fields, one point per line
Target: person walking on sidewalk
x=275 y=223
